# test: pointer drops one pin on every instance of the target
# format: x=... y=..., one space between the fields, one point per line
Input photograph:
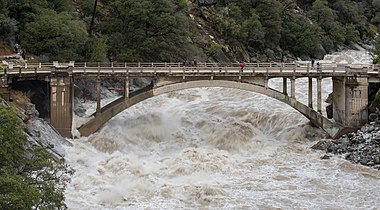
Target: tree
x=334 y=32
x=99 y=49
x=227 y=21
x=58 y=36
x=4 y=4
x=270 y=12
x=93 y=18
x=146 y=30
x=8 y=29
x=25 y=11
x=29 y=177
x=252 y=31
x=322 y=13
x=299 y=36
x=376 y=50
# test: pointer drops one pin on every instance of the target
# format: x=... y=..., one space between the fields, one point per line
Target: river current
x=216 y=148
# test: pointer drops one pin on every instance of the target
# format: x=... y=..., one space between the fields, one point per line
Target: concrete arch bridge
x=350 y=87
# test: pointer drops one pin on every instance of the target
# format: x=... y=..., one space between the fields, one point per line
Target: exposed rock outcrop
x=362 y=147
x=40 y=132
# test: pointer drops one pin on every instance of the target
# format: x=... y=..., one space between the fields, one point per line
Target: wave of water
x=214 y=148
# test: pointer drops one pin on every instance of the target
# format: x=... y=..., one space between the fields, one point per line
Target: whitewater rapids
x=215 y=148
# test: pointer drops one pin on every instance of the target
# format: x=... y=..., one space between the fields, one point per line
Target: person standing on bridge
x=242 y=64
x=312 y=63
x=318 y=67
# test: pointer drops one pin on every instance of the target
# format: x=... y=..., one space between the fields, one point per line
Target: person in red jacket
x=241 y=66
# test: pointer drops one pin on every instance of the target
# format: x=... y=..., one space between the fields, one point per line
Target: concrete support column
x=4 y=90
x=126 y=87
x=310 y=91
x=350 y=101
x=98 y=99
x=319 y=95
x=61 y=104
x=293 y=88
x=285 y=86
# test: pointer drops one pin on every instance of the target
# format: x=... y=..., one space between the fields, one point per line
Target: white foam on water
x=215 y=148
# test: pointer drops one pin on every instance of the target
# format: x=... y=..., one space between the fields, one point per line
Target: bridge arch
x=121 y=104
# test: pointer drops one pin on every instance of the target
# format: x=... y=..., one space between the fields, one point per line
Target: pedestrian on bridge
x=185 y=63
x=318 y=67
x=312 y=63
x=242 y=64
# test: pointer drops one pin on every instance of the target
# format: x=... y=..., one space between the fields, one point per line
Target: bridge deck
x=301 y=69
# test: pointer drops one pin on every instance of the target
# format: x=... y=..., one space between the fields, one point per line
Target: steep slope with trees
x=175 y=30
x=29 y=177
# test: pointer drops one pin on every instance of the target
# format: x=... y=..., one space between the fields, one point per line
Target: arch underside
x=121 y=104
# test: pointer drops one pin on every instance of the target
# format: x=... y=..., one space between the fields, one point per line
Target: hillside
x=178 y=30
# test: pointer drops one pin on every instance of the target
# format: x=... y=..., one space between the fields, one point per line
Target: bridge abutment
x=350 y=100
x=61 y=104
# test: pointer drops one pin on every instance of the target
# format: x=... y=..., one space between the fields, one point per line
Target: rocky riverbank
x=39 y=131
x=362 y=147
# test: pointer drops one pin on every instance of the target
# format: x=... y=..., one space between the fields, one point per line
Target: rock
x=376 y=136
x=366 y=129
x=31 y=110
x=318 y=52
x=350 y=135
x=377 y=159
x=206 y=2
x=322 y=145
x=372 y=117
x=41 y=133
x=362 y=147
x=325 y=157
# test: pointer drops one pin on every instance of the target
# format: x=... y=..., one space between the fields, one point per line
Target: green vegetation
x=56 y=36
x=29 y=177
x=174 y=30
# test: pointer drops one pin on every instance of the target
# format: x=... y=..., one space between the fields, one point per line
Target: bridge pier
x=4 y=87
x=285 y=86
x=319 y=95
x=310 y=92
x=98 y=99
x=293 y=88
x=126 y=87
x=350 y=100
x=61 y=104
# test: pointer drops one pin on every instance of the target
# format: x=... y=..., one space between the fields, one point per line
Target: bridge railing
x=117 y=67
x=29 y=68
